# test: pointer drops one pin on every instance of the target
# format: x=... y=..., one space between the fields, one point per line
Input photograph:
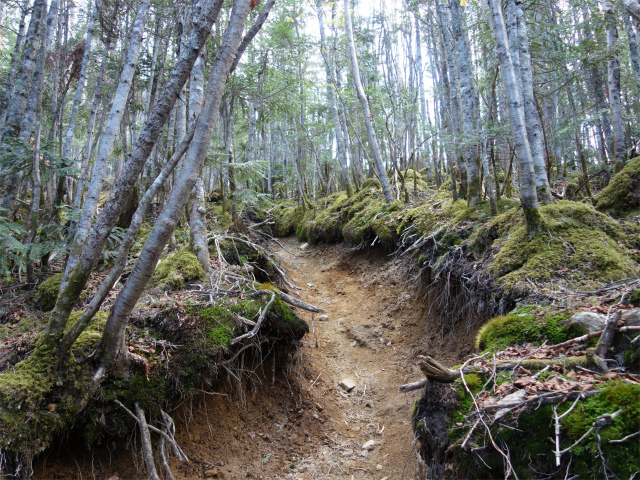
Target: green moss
x=623 y=458
x=47 y=292
x=620 y=198
x=575 y=237
x=178 y=268
x=371 y=183
x=287 y=216
x=517 y=328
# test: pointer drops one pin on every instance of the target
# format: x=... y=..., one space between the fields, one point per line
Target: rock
x=213 y=473
x=353 y=344
x=323 y=318
x=587 y=321
x=370 y=445
x=347 y=384
x=378 y=467
x=304 y=246
x=516 y=397
x=364 y=453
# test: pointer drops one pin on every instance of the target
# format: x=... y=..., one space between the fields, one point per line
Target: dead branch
x=550 y=398
x=436 y=371
x=263 y=313
x=408 y=387
x=299 y=303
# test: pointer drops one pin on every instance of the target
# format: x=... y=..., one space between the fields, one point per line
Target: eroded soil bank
x=299 y=423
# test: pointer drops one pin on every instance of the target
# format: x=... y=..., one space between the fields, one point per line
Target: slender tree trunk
x=107 y=143
x=469 y=104
x=364 y=104
x=331 y=85
x=201 y=28
x=82 y=78
x=532 y=118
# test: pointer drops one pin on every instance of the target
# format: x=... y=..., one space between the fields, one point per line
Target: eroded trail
x=369 y=339
x=300 y=424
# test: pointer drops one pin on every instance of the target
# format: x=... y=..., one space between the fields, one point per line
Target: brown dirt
x=300 y=424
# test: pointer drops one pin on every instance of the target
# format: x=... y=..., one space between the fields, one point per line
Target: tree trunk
x=364 y=104
x=528 y=194
x=333 y=105
x=532 y=118
x=615 y=102
x=469 y=104
x=113 y=347
x=105 y=149
x=201 y=27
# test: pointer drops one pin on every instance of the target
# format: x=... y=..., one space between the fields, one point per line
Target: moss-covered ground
x=578 y=245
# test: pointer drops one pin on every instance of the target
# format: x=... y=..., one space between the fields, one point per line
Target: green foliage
x=522 y=326
x=178 y=268
x=47 y=292
x=11 y=249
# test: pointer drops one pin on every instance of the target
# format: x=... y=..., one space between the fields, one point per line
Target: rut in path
x=374 y=325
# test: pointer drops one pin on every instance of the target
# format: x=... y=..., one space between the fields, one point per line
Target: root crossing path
x=367 y=343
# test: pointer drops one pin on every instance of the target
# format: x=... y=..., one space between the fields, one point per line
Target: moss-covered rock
x=525 y=325
x=576 y=240
x=47 y=292
x=178 y=268
x=371 y=183
x=622 y=196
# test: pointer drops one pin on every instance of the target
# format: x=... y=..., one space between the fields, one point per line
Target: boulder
x=587 y=321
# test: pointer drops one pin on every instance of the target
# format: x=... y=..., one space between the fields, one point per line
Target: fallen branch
x=408 y=387
x=546 y=399
x=589 y=336
x=436 y=371
x=263 y=314
x=299 y=303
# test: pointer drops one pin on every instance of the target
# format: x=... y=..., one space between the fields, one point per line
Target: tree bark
x=113 y=347
x=105 y=149
x=201 y=28
x=528 y=194
x=615 y=102
x=364 y=104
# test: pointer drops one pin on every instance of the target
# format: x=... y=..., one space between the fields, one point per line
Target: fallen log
x=299 y=303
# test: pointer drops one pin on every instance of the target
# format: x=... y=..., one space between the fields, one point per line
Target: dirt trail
x=300 y=424
x=370 y=338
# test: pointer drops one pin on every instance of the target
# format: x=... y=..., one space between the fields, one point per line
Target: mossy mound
x=287 y=216
x=47 y=292
x=371 y=183
x=621 y=197
x=577 y=240
x=376 y=221
x=532 y=455
x=178 y=268
x=525 y=325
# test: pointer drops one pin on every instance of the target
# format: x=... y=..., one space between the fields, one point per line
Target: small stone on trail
x=378 y=467
x=353 y=344
x=304 y=246
x=370 y=445
x=323 y=318
x=311 y=285
x=364 y=453
x=389 y=343
x=347 y=384
x=212 y=473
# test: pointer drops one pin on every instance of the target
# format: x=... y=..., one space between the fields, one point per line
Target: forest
x=197 y=197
